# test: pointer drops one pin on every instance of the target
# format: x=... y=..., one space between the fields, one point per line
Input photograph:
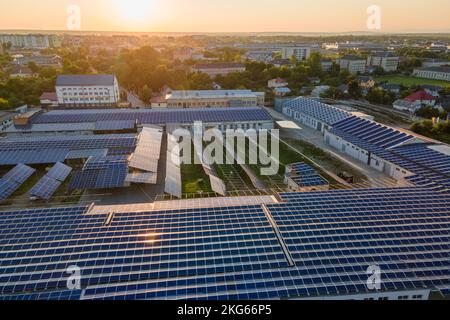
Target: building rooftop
x=444 y=69
x=220 y=65
x=323 y=245
x=420 y=95
x=212 y=94
x=85 y=80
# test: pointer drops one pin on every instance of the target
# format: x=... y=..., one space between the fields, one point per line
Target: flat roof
x=85 y=80
x=212 y=94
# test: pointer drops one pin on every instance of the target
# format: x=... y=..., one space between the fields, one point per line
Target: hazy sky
x=227 y=15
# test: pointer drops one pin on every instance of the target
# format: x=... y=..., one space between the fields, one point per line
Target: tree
x=146 y=94
x=315 y=64
x=353 y=89
x=4 y=104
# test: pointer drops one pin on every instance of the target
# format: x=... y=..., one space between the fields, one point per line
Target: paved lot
x=315 y=137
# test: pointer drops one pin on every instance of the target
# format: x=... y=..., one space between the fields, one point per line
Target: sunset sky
x=227 y=15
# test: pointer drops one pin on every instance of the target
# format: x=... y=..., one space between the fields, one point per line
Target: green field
x=411 y=81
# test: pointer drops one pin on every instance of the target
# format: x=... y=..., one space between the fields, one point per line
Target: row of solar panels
x=232 y=252
x=303 y=175
x=44 y=188
x=101 y=173
x=52 y=149
x=317 y=110
x=158 y=117
x=51 y=182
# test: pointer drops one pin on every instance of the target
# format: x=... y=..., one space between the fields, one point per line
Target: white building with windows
x=87 y=91
x=386 y=60
x=353 y=64
x=435 y=73
x=301 y=52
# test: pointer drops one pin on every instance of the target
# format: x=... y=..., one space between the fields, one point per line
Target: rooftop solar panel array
x=12 y=181
x=370 y=133
x=52 y=149
x=115 y=125
x=101 y=173
x=157 y=117
x=232 y=252
x=323 y=112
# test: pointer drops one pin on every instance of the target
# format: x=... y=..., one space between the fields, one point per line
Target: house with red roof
x=422 y=97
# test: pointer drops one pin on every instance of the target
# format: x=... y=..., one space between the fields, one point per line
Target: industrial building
x=317 y=245
x=314 y=114
x=219 y=68
x=111 y=120
x=435 y=73
x=214 y=98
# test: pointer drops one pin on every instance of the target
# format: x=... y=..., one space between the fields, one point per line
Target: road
x=315 y=137
x=135 y=102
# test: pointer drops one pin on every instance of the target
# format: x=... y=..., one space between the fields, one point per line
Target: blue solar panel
x=112 y=175
x=19 y=173
x=115 y=125
x=233 y=252
x=317 y=110
x=369 y=135
x=13 y=180
x=304 y=175
x=59 y=172
x=45 y=188
x=158 y=117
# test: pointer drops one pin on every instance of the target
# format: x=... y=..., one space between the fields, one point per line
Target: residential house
x=422 y=97
x=365 y=82
x=281 y=91
x=277 y=83
x=389 y=87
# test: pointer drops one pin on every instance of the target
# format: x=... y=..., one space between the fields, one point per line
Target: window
x=403 y=297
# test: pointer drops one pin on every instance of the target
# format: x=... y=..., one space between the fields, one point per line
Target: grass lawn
x=194 y=179
x=411 y=81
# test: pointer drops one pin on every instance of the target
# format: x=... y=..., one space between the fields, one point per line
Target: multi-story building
x=183 y=54
x=326 y=64
x=259 y=56
x=87 y=90
x=386 y=60
x=301 y=52
x=223 y=68
x=436 y=73
x=353 y=64
x=214 y=98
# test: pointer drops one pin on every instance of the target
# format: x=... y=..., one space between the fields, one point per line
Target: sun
x=135 y=10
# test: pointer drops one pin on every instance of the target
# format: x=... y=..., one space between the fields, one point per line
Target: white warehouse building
x=314 y=114
x=214 y=98
x=87 y=91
